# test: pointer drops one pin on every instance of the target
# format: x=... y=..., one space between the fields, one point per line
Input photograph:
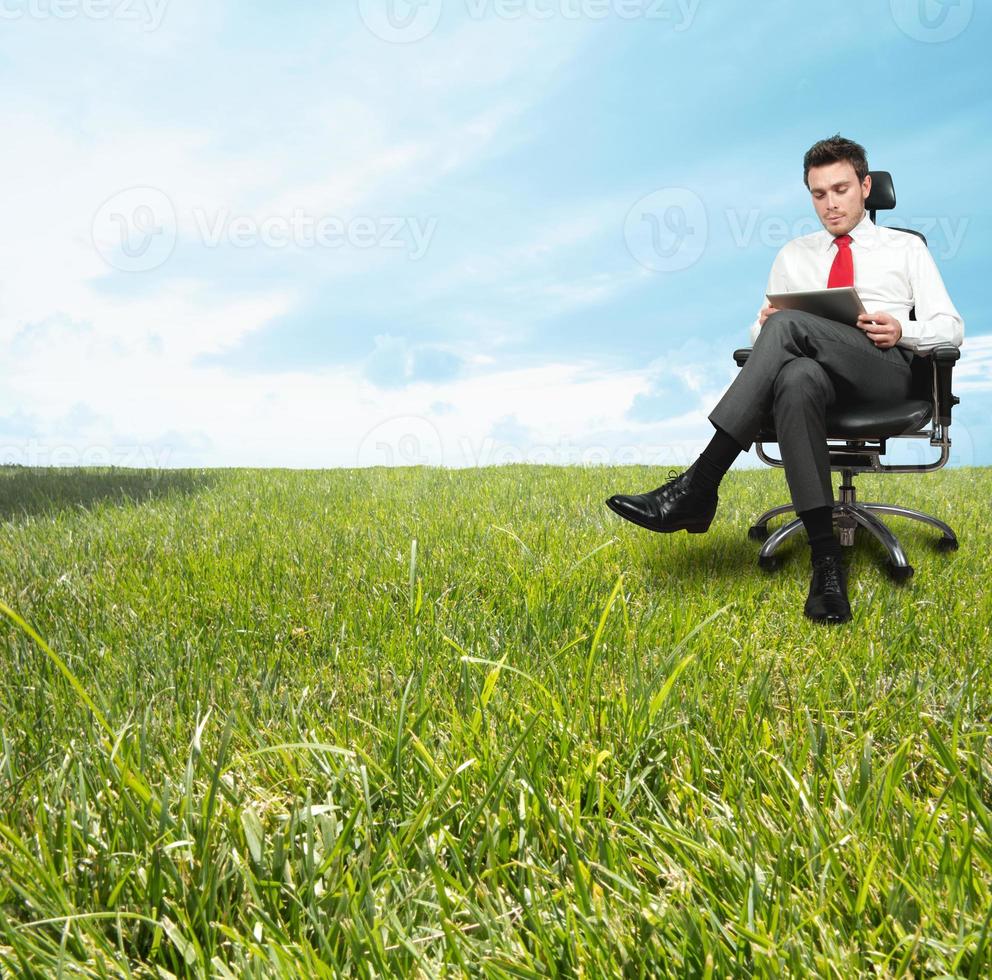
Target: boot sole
x=694 y=528
x=830 y=620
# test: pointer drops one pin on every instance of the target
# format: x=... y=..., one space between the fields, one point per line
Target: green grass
x=423 y=722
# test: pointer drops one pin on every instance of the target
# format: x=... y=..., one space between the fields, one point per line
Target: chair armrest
x=740 y=355
x=942 y=358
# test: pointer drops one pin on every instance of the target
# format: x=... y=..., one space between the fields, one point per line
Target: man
x=800 y=364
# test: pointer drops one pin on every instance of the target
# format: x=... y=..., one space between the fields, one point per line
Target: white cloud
x=376 y=125
x=973 y=371
x=222 y=115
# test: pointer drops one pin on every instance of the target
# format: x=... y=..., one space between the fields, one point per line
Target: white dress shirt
x=893 y=271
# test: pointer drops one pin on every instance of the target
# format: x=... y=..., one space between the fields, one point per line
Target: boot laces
x=830 y=571
x=673 y=477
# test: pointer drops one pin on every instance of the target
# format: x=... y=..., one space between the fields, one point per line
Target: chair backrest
x=882 y=197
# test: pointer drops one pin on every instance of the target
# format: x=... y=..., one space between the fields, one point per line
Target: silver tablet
x=842 y=303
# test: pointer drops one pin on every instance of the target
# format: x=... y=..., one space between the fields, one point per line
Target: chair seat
x=866 y=420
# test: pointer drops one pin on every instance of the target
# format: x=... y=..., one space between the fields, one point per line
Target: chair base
x=849 y=514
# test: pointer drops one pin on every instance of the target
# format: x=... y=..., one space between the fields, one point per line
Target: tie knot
x=842 y=241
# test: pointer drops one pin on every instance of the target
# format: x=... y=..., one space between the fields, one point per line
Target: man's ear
x=866 y=187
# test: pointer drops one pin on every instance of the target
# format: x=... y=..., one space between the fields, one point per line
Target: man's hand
x=883 y=329
x=765 y=313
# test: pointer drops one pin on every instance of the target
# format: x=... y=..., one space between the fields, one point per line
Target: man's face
x=838 y=197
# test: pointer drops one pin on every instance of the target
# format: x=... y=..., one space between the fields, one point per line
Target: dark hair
x=834 y=150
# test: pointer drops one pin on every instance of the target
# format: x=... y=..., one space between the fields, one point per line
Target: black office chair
x=862 y=429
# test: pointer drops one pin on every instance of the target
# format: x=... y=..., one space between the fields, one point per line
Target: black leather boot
x=827 y=599
x=674 y=506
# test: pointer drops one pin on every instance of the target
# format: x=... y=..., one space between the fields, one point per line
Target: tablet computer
x=842 y=303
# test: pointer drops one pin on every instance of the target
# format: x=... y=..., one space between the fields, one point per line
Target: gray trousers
x=799 y=365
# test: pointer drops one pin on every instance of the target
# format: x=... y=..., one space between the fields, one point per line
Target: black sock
x=819 y=524
x=715 y=460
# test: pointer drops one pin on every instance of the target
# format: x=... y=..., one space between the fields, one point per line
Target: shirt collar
x=864 y=233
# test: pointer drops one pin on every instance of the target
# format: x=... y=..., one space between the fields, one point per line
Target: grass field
x=423 y=722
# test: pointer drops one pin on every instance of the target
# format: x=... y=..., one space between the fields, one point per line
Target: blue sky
x=361 y=232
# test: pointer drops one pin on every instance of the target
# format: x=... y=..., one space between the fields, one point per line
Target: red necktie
x=842 y=271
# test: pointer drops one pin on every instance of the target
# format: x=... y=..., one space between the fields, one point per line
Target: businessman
x=800 y=364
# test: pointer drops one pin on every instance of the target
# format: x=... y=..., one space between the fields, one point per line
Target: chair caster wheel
x=948 y=544
x=900 y=573
x=769 y=562
x=758 y=532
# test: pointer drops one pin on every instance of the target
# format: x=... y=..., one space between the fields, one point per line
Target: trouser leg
x=802 y=393
x=850 y=362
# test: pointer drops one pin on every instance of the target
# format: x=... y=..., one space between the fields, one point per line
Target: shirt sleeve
x=937 y=320
x=778 y=282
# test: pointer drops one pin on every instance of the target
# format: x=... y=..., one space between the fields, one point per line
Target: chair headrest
x=882 y=196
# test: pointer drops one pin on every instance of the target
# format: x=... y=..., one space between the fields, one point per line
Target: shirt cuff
x=925 y=334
